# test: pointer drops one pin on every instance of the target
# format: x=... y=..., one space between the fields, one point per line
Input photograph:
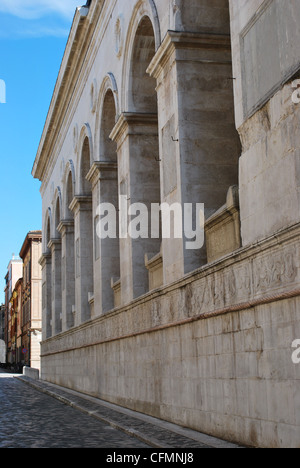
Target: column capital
x=81 y=203
x=102 y=170
x=134 y=123
x=54 y=244
x=175 y=41
x=45 y=259
x=65 y=226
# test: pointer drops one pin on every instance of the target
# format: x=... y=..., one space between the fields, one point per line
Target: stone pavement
x=137 y=427
x=31 y=419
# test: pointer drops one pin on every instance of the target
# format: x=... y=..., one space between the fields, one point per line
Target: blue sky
x=33 y=36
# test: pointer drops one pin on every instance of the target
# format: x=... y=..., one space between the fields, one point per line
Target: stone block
x=31 y=373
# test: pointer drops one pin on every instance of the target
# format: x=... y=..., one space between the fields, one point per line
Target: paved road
x=30 y=419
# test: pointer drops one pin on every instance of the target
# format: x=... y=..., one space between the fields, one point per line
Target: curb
x=131 y=432
x=183 y=439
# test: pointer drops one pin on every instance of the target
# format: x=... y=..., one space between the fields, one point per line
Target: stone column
x=55 y=246
x=46 y=264
x=104 y=179
x=139 y=178
x=66 y=228
x=82 y=209
x=199 y=145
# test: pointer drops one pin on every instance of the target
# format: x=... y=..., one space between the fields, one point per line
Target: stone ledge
x=31 y=373
x=228 y=285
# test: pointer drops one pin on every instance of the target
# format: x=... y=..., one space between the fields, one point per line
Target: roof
x=30 y=236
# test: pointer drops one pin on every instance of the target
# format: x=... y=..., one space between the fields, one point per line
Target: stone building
x=2 y=335
x=15 y=321
x=177 y=102
x=31 y=318
x=23 y=305
x=14 y=273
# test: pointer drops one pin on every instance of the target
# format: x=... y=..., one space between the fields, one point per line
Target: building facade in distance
x=14 y=273
x=15 y=326
x=31 y=299
x=174 y=103
x=23 y=307
x=2 y=335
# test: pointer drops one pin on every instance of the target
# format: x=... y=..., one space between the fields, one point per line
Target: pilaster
x=199 y=145
x=104 y=179
x=81 y=206
x=136 y=135
x=66 y=229
x=55 y=247
x=46 y=264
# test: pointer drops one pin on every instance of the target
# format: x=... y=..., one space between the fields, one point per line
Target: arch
x=106 y=251
x=47 y=230
x=108 y=148
x=47 y=275
x=142 y=95
x=83 y=226
x=143 y=9
x=69 y=187
x=57 y=212
x=142 y=150
x=85 y=158
x=109 y=84
x=68 y=248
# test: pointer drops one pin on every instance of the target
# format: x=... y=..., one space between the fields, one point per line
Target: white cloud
x=34 y=9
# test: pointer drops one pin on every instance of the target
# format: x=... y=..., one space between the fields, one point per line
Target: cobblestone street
x=30 y=419
x=37 y=414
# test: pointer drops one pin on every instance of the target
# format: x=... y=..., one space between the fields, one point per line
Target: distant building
x=2 y=321
x=14 y=273
x=31 y=299
x=23 y=305
x=15 y=326
x=2 y=331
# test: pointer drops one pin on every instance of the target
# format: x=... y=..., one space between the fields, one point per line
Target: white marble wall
x=269 y=170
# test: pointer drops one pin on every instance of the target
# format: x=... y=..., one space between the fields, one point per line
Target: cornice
x=84 y=23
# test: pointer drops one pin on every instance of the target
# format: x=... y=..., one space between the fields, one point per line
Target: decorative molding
x=81 y=203
x=45 y=259
x=102 y=170
x=78 y=43
x=266 y=272
x=174 y=41
x=54 y=244
x=134 y=123
x=65 y=226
